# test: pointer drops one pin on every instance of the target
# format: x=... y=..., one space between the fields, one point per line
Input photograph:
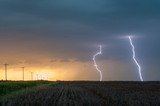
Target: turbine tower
x=37 y=76
x=5 y=65
x=31 y=75
x=23 y=73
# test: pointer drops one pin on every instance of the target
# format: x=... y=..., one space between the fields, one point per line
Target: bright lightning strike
x=95 y=64
x=134 y=57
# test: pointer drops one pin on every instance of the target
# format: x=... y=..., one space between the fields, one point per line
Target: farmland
x=75 y=93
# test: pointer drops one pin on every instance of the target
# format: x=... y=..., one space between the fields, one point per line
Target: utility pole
x=23 y=72
x=6 y=71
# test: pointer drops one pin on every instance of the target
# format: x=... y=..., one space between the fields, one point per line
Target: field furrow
x=89 y=94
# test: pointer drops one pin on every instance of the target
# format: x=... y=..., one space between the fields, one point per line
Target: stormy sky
x=59 y=38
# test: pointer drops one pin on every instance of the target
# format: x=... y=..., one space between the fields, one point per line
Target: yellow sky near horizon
x=54 y=71
x=69 y=70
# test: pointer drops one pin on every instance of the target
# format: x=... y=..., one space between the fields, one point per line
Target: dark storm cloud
x=106 y=16
x=69 y=28
x=75 y=22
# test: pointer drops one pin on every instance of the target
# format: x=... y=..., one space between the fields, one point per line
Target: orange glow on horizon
x=58 y=71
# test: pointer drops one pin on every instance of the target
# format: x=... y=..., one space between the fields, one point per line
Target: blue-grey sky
x=67 y=33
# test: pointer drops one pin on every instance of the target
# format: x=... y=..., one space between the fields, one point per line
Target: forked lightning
x=95 y=64
x=134 y=58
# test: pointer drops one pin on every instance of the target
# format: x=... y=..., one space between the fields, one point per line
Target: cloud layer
x=71 y=30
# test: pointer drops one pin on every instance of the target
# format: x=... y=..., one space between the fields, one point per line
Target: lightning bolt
x=95 y=64
x=134 y=57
